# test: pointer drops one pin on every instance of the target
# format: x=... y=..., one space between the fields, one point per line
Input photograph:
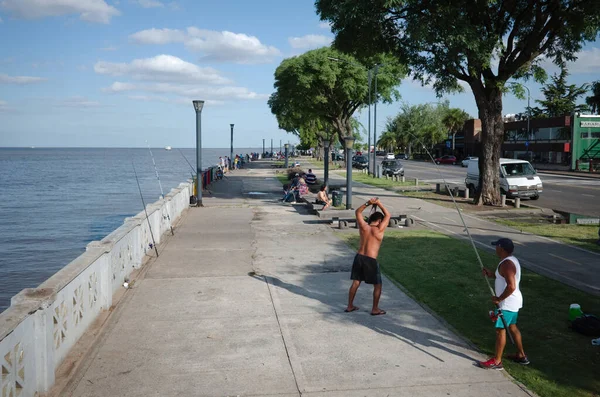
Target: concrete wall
x=43 y=324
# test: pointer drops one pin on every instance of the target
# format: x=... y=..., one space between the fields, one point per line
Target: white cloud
x=164 y=68
x=222 y=46
x=310 y=41
x=77 y=102
x=89 y=10
x=325 y=25
x=150 y=3
x=21 y=80
x=179 y=101
x=588 y=61
x=158 y=36
x=187 y=91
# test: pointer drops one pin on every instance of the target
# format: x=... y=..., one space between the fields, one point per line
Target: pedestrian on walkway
x=365 y=267
x=509 y=299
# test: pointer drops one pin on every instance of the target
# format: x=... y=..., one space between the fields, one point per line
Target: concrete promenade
x=247 y=299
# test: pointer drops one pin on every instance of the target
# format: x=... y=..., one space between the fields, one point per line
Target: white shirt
x=515 y=300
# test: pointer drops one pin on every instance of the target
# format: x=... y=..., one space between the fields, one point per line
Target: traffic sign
x=526 y=143
x=448 y=144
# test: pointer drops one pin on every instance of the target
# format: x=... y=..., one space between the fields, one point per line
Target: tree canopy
x=593 y=101
x=480 y=42
x=323 y=88
x=560 y=98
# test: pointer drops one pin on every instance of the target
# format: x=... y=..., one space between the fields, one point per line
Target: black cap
x=506 y=244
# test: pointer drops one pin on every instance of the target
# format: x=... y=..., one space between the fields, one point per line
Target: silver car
x=465 y=162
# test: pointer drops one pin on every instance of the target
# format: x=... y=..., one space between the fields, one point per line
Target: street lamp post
x=198 y=105
x=375 y=170
x=231 y=149
x=287 y=146
x=348 y=143
x=271 y=147
x=326 y=144
x=369 y=133
x=263 y=153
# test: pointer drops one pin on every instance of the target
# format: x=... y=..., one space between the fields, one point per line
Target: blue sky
x=107 y=73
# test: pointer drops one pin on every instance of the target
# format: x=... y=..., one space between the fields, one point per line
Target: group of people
x=508 y=298
x=227 y=164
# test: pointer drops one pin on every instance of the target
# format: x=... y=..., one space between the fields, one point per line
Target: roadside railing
x=42 y=324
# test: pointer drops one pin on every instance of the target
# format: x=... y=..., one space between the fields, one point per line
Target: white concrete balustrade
x=43 y=324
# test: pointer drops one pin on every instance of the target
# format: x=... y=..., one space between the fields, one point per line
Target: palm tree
x=594 y=101
x=454 y=120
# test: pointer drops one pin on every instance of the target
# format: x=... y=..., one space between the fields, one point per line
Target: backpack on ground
x=587 y=324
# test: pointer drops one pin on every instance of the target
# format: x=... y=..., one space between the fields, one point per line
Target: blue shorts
x=509 y=317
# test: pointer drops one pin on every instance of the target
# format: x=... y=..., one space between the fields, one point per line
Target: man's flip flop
x=379 y=313
x=351 y=310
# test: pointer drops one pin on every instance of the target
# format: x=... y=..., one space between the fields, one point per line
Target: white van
x=518 y=178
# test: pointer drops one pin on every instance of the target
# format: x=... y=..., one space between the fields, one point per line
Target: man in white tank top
x=509 y=300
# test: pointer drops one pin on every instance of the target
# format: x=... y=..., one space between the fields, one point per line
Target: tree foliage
x=323 y=88
x=480 y=42
x=425 y=123
x=560 y=98
x=593 y=101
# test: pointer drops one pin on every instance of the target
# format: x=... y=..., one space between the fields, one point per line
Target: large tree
x=482 y=43
x=593 y=101
x=330 y=86
x=560 y=98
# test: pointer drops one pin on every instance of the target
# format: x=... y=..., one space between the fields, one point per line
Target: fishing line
x=500 y=314
x=193 y=171
x=146 y=211
x=162 y=194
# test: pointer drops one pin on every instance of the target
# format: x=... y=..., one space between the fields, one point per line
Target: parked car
x=379 y=153
x=517 y=179
x=360 y=162
x=465 y=162
x=401 y=156
x=389 y=156
x=392 y=167
x=446 y=160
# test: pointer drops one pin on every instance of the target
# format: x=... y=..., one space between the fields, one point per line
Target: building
x=568 y=142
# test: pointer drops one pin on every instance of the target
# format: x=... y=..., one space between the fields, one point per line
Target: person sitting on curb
x=509 y=299
x=322 y=198
x=311 y=179
x=290 y=192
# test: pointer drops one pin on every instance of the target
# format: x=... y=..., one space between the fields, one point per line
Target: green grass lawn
x=584 y=236
x=282 y=177
x=379 y=182
x=443 y=273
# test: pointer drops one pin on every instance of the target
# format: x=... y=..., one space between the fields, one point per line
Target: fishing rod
x=193 y=170
x=146 y=211
x=162 y=194
x=500 y=314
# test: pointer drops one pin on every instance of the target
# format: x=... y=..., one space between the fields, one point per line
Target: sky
x=108 y=73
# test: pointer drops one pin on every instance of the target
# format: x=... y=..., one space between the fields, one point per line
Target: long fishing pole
x=162 y=194
x=500 y=314
x=146 y=211
x=193 y=170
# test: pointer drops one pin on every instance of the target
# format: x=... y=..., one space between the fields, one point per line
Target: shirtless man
x=365 y=267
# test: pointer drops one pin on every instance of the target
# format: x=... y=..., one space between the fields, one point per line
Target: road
x=572 y=194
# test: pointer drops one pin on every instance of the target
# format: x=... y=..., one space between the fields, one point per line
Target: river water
x=53 y=201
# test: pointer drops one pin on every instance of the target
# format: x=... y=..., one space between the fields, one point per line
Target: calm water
x=53 y=201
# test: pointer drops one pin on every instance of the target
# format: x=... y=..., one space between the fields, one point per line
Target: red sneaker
x=491 y=364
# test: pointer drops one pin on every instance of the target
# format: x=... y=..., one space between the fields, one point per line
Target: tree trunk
x=489 y=104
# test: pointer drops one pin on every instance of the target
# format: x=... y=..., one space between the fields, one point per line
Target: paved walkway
x=247 y=299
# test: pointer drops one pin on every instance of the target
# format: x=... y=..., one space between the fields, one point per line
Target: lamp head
x=349 y=142
x=326 y=143
x=198 y=105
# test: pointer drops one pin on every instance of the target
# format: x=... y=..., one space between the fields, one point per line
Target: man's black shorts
x=365 y=269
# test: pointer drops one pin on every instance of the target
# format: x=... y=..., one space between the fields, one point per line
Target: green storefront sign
x=586 y=141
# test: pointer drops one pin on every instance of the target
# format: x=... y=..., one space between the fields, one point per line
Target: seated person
x=302 y=187
x=322 y=198
x=292 y=189
x=310 y=178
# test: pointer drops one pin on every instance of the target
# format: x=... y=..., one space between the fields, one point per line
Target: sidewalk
x=247 y=299
x=568 y=264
